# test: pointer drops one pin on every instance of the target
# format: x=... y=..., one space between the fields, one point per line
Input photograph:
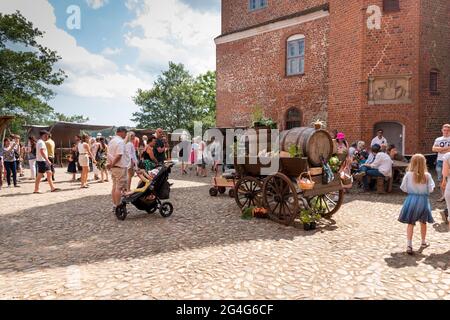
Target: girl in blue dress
x=418 y=183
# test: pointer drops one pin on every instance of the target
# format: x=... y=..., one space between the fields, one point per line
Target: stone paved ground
x=69 y=245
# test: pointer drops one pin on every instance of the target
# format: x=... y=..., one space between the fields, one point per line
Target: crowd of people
x=196 y=155
x=417 y=182
x=87 y=154
x=125 y=156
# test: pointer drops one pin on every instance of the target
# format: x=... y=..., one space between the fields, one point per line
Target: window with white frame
x=256 y=4
x=295 y=62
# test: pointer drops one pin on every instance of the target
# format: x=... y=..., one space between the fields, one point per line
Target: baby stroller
x=150 y=199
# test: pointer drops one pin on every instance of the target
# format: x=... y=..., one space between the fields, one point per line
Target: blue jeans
x=439 y=166
x=370 y=172
x=11 y=169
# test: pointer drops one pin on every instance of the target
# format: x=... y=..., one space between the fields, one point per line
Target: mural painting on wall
x=390 y=90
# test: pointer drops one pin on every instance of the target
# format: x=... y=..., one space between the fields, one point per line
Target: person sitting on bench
x=380 y=167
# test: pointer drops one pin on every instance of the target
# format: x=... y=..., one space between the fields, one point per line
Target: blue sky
x=122 y=45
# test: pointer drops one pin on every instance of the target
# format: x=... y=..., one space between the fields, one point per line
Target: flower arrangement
x=254 y=212
x=335 y=164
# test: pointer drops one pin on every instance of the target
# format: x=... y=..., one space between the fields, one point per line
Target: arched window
x=295 y=61
x=293 y=118
x=434 y=81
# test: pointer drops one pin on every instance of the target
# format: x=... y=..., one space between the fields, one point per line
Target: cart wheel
x=248 y=192
x=166 y=209
x=281 y=199
x=327 y=204
x=121 y=212
x=222 y=190
x=213 y=192
x=231 y=193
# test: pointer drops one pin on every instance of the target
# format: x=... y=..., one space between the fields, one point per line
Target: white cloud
x=96 y=4
x=111 y=51
x=89 y=75
x=173 y=31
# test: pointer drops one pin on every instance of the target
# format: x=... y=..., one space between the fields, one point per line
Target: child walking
x=418 y=183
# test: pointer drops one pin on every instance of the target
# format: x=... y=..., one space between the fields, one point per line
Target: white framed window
x=256 y=4
x=295 y=61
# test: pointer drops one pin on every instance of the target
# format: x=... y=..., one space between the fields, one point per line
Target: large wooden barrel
x=313 y=143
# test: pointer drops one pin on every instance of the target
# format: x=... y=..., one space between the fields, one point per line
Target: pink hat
x=340 y=136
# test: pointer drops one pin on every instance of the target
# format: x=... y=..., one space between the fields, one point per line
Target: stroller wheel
x=213 y=192
x=231 y=193
x=152 y=210
x=121 y=212
x=166 y=209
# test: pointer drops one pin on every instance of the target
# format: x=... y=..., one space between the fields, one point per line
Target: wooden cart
x=221 y=184
x=278 y=191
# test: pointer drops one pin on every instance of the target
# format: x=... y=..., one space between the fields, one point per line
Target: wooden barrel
x=312 y=143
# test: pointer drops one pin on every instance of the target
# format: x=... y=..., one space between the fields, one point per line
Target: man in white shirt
x=380 y=167
x=117 y=163
x=380 y=140
x=442 y=146
x=43 y=163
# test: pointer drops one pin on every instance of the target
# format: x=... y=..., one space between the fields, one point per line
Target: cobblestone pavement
x=69 y=245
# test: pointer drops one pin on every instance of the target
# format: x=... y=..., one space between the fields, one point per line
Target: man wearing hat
x=117 y=164
x=44 y=165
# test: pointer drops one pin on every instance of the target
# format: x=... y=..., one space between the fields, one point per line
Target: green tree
x=176 y=100
x=205 y=90
x=27 y=73
x=74 y=119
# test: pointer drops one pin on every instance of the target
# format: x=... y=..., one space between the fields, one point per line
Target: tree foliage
x=27 y=73
x=176 y=100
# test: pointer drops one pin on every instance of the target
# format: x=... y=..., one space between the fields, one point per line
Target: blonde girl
x=418 y=183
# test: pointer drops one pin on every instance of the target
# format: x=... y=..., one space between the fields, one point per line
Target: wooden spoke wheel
x=281 y=199
x=247 y=192
x=327 y=204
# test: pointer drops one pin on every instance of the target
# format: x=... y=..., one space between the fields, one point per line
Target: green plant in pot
x=306 y=219
x=259 y=120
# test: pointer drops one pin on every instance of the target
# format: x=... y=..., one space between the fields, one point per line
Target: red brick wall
x=394 y=50
x=341 y=54
x=252 y=72
x=345 y=58
x=434 y=54
x=236 y=16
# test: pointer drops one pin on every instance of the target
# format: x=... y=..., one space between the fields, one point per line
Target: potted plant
x=315 y=219
x=319 y=124
x=305 y=217
x=260 y=121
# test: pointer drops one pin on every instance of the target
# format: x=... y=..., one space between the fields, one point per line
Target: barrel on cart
x=278 y=191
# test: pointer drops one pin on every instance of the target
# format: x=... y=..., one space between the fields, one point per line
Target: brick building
x=359 y=65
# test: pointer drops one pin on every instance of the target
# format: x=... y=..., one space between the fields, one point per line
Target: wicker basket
x=306 y=186
x=346 y=180
x=316 y=171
